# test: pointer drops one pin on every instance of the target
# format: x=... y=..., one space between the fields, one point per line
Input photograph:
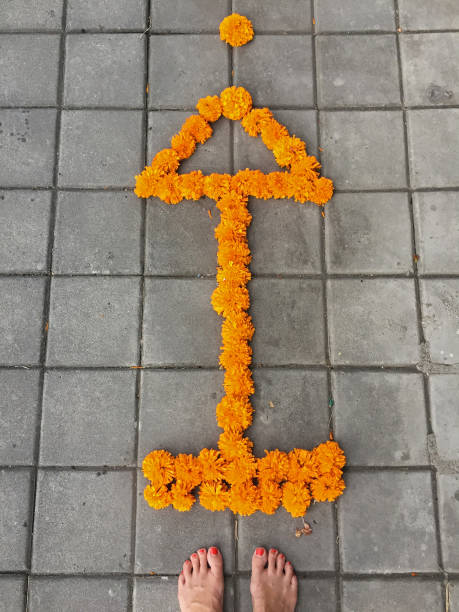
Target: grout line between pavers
x=266 y=32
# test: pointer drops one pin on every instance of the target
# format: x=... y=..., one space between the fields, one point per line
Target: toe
x=289 y=570
x=181 y=579
x=195 y=562
x=259 y=559
x=280 y=563
x=272 y=557
x=294 y=583
x=215 y=560
x=202 y=554
x=187 y=567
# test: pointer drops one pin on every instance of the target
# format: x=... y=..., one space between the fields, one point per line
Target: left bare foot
x=200 y=587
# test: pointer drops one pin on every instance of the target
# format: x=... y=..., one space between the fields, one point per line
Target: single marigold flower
x=145 y=183
x=241 y=469
x=210 y=108
x=302 y=466
x=272 y=132
x=250 y=182
x=198 y=128
x=168 y=189
x=234 y=413
x=256 y=120
x=270 y=496
x=274 y=466
x=279 y=185
x=233 y=445
x=240 y=354
x=238 y=381
x=165 y=162
x=181 y=498
x=232 y=202
x=191 y=185
x=236 y=30
x=289 y=150
x=234 y=274
x=212 y=464
x=226 y=300
x=239 y=327
x=217 y=185
x=329 y=455
x=188 y=470
x=244 y=498
x=157 y=497
x=325 y=488
x=236 y=102
x=322 y=191
x=214 y=496
x=159 y=467
x=234 y=231
x=230 y=252
x=295 y=498
x=183 y=144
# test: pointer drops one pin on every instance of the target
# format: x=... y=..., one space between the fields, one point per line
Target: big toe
x=259 y=559
x=215 y=560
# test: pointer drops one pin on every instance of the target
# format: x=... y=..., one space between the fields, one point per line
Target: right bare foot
x=273 y=588
x=200 y=585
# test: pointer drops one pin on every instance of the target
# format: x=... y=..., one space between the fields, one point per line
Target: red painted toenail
x=202 y=550
x=260 y=552
x=194 y=555
x=213 y=550
x=273 y=550
x=187 y=561
x=281 y=556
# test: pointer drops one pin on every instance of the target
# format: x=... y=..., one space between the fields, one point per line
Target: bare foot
x=274 y=588
x=200 y=588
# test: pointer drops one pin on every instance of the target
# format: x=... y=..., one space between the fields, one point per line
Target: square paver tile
x=28 y=69
x=453 y=591
x=278 y=531
x=106 y=14
x=179 y=16
x=19 y=405
x=430 y=66
x=448 y=494
x=212 y=156
x=88 y=418
x=12 y=589
x=433 y=138
x=180 y=326
x=184 y=68
x=436 y=217
x=368 y=233
x=104 y=70
x=373 y=321
x=250 y=152
x=284 y=237
x=74 y=594
x=276 y=70
x=389 y=594
x=400 y=537
x=160 y=545
x=275 y=15
x=289 y=322
x=24 y=227
x=97 y=233
x=100 y=148
x=27 y=147
x=314 y=595
x=83 y=522
x=380 y=418
x=94 y=321
x=24 y=15
x=21 y=304
x=357 y=70
x=291 y=409
x=364 y=149
x=354 y=15
x=444 y=391
x=425 y=15
x=15 y=494
x=177 y=401
x=440 y=318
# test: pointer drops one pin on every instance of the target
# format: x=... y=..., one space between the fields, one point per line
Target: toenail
x=260 y=552
x=281 y=556
x=273 y=550
x=187 y=561
x=213 y=550
x=202 y=550
x=194 y=555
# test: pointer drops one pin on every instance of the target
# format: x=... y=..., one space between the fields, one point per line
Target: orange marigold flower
x=288 y=150
x=157 y=497
x=145 y=183
x=234 y=274
x=329 y=455
x=306 y=165
x=234 y=413
x=214 y=495
x=256 y=120
x=240 y=470
x=188 y=470
x=244 y=498
x=238 y=381
x=236 y=30
x=302 y=466
x=240 y=327
x=168 y=189
x=274 y=466
x=212 y=464
x=272 y=132
x=217 y=185
x=236 y=354
x=295 y=498
x=181 y=498
x=327 y=489
x=210 y=108
x=233 y=445
x=250 y=182
x=235 y=214
x=270 y=496
x=236 y=102
x=322 y=191
x=198 y=128
x=233 y=252
x=227 y=300
x=279 y=185
x=183 y=144
x=165 y=162
x=232 y=202
x=191 y=185
x=159 y=467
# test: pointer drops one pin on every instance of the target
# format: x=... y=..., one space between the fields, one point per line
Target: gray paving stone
x=194 y=16
x=74 y=594
x=21 y=304
x=27 y=147
x=165 y=537
x=368 y=233
x=436 y=217
x=444 y=391
x=276 y=70
x=400 y=537
x=15 y=492
x=83 y=522
x=23 y=15
x=314 y=595
x=453 y=591
x=380 y=418
x=425 y=15
x=184 y=68
x=433 y=138
x=275 y=15
x=440 y=318
x=430 y=68
x=24 y=226
x=19 y=403
x=357 y=70
x=94 y=321
x=448 y=494
x=381 y=595
x=314 y=553
x=97 y=233
x=12 y=589
x=373 y=321
x=106 y=15
x=180 y=326
x=354 y=155
x=177 y=401
x=212 y=156
x=100 y=148
x=104 y=70
x=284 y=237
x=250 y=152
x=28 y=69
x=351 y=15
x=291 y=409
x=88 y=418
